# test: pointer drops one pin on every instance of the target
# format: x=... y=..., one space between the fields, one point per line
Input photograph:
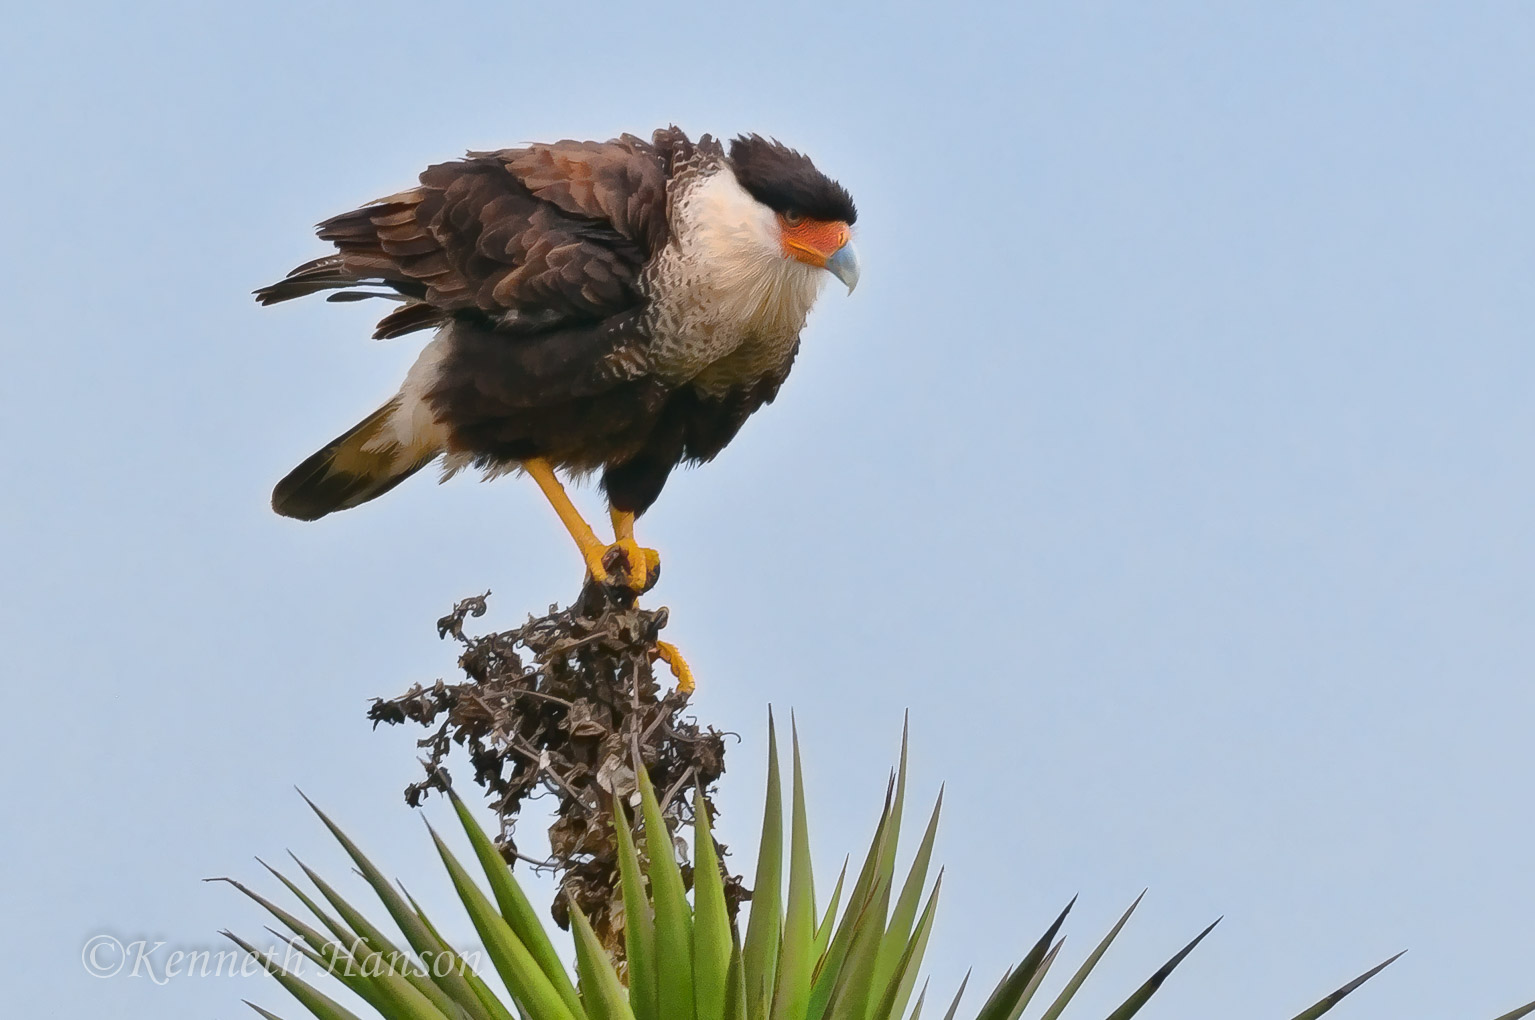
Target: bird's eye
x=793 y=218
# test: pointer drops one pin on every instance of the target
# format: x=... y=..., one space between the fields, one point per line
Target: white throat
x=724 y=282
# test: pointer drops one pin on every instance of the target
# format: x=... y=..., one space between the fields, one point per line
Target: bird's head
x=813 y=214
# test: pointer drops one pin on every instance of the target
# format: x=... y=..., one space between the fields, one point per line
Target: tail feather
x=362 y=464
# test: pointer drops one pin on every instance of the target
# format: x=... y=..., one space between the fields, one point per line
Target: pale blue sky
x=1171 y=464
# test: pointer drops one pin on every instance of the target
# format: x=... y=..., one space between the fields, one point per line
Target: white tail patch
x=412 y=431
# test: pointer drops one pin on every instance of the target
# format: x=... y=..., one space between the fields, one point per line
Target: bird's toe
x=627 y=565
x=667 y=653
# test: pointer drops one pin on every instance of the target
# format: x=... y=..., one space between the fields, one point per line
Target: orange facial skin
x=813 y=242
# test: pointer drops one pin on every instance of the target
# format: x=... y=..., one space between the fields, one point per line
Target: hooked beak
x=824 y=244
x=844 y=265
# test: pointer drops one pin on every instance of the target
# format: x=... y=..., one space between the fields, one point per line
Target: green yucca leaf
x=515 y=908
x=423 y=940
x=685 y=961
x=1327 y=1002
x=298 y=946
x=328 y=947
x=314 y=1000
x=898 y=933
x=916 y=1010
x=372 y=938
x=1080 y=976
x=791 y=994
x=258 y=1009
x=602 y=993
x=674 y=920
x=1518 y=1014
x=639 y=923
x=759 y=954
x=1007 y=993
x=884 y=877
x=735 y=983
x=332 y=955
x=904 y=977
x=853 y=979
x=897 y=814
x=349 y=934
x=521 y=973
x=393 y=996
x=365 y=968
x=712 y=941
x=824 y=929
x=1138 y=999
x=954 y=1006
x=1036 y=980
x=491 y=1007
x=829 y=967
x=353 y=929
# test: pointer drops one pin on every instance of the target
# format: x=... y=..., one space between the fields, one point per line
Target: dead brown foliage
x=563 y=706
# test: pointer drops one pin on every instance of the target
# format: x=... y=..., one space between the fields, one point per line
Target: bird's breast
x=718 y=325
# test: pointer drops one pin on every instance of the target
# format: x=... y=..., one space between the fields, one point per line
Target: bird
x=616 y=308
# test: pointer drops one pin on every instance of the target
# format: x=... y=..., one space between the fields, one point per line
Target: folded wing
x=517 y=241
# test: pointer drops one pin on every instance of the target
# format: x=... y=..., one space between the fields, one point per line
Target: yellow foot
x=641 y=567
x=667 y=653
x=620 y=565
x=624 y=564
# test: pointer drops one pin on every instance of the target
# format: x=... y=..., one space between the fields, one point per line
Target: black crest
x=785 y=180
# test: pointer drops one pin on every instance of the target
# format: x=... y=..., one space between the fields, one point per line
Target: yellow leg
x=649 y=563
x=642 y=562
x=592 y=548
x=667 y=653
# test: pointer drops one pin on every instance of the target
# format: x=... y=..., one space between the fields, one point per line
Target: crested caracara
x=617 y=307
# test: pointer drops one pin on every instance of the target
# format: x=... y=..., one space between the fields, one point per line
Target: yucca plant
x=798 y=961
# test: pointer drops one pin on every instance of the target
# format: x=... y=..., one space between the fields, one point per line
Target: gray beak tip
x=844 y=266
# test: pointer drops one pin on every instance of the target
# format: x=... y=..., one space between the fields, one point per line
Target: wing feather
x=533 y=238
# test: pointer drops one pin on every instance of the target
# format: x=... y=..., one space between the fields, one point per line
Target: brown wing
x=520 y=241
